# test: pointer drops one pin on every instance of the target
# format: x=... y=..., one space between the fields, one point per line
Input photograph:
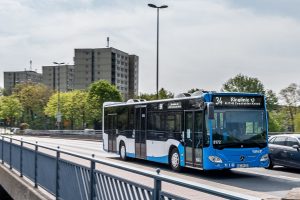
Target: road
x=255 y=181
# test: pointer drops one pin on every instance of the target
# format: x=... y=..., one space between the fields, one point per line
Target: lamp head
x=163 y=6
x=152 y=5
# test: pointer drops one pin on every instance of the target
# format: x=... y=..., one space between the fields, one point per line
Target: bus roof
x=207 y=97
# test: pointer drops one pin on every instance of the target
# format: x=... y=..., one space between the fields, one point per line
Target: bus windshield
x=239 y=129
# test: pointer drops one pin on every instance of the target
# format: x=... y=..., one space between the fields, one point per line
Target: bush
x=24 y=126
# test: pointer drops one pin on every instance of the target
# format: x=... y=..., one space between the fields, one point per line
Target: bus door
x=140 y=132
x=112 y=133
x=193 y=137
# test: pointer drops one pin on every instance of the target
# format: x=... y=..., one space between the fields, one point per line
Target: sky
x=202 y=43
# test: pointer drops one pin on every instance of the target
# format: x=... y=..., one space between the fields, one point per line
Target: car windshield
x=239 y=128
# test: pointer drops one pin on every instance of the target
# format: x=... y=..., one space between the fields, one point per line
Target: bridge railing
x=48 y=168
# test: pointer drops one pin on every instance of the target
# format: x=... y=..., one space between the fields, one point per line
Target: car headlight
x=264 y=158
x=215 y=159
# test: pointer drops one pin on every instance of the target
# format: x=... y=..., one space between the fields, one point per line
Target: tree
x=297 y=122
x=3 y=92
x=276 y=121
x=98 y=93
x=242 y=83
x=76 y=108
x=165 y=94
x=291 y=96
x=162 y=94
x=272 y=100
x=191 y=91
x=51 y=108
x=73 y=107
x=10 y=109
x=33 y=97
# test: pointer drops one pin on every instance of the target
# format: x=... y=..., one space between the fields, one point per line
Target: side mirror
x=211 y=111
x=296 y=147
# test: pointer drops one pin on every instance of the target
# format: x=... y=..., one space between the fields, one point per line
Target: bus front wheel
x=123 y=151
x=175 y=160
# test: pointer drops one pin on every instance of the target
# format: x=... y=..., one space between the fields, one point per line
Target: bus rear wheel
x=122 y=151
x=175 y=160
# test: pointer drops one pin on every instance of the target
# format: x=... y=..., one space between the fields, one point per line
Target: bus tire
x=122 y=151
x=174 y=160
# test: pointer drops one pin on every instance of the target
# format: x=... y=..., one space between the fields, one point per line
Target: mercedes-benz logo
x=242 y=158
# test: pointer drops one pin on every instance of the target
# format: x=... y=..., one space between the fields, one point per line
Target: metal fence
x=71 y=181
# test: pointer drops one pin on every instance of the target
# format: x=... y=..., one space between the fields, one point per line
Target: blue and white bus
x=206 y=130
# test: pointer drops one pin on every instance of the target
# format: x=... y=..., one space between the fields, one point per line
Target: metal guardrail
x=71 y=181
x=63 y=132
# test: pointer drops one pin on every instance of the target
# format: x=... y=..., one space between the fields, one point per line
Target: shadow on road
x=285 y=169
x=235 y=178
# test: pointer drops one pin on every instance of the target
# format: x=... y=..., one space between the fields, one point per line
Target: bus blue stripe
x=162 y=159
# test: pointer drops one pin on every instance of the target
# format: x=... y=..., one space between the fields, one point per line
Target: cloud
x=202 y=43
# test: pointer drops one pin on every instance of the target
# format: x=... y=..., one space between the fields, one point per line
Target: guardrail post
x=10 y=142
x=92 y=184
x=35 y=165
x=157 y=186
x=2 y=154
x=57 y=174
x=21 y=158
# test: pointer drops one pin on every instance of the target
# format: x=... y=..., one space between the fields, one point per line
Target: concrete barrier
x=18 y=188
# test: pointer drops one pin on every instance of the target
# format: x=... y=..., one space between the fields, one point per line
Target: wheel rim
x=175 y=160
x=123 y=151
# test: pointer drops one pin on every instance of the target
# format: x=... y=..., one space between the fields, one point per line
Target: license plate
x=242 y=165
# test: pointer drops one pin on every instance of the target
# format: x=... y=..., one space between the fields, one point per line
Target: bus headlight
x=264 y=158
x=215 y=159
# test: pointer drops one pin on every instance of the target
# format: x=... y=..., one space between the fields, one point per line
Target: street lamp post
x=157 y=41
x=58 y=114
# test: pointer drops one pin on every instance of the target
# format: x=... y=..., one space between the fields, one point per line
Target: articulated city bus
x=206 y=130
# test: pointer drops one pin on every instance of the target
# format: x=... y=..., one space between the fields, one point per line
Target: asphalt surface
x=257 y=182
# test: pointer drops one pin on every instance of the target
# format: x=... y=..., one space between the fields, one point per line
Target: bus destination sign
x=238 y=101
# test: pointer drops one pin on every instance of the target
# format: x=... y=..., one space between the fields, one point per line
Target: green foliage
x=272 y=100
x=276 y=121
x=162 y=94
x=291 y=96
x=242 y=83
x=297 y=122
x=34 y=98
x=51 y=107
x=10 y=109
x=76 y=108
x=24 y=126
x=191 y=91
x=73 y=107
x=98 y=93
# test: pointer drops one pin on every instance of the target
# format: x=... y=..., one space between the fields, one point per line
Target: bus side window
x=156 y=126
x=122 y=124
x=173 y=125
x=130 y=121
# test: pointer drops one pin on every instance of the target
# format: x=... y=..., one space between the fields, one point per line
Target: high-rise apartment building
x=59 y=77
x=113 y=65
x=11 y=79
x=133 y=75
